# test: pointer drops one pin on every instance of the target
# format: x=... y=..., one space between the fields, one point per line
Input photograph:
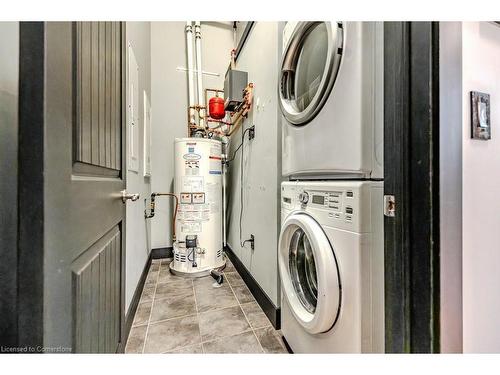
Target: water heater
x=198 y=227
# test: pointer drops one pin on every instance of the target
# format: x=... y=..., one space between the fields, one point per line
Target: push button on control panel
x=348 y=213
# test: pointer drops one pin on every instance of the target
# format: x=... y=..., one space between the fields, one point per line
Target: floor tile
x=173 y=308
x=155 y=265
x=243 y=294
x=194 y=349
x=270 y=340
x=255 y=315
x=234 y=278
x=172 y=334
x=229 y=266
x=135 y=341
x=151 y=278
x=142 y=313
x=212 y=298
x=241 y=343
x=148 y=292
x=178 y=288
x=166 y=276
x=222 y=323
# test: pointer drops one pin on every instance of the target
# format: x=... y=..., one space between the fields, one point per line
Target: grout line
x=197 y=315
x=183 y=347
x=151 y=312
x=220 y=308
x=226 y=337
x=169 y=319
x=246 y=317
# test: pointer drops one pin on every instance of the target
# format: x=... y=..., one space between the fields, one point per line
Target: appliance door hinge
x=389 y=205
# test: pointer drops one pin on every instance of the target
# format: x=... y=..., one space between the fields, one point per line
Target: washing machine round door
x=309 y=67
x=309 y=273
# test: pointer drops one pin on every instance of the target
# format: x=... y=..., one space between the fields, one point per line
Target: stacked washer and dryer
x=331 y=260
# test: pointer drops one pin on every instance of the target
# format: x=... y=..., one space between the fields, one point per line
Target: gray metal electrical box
x=235 y=83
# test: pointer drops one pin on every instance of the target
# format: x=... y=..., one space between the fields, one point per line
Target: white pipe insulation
x=190 y=69
x=199 y=69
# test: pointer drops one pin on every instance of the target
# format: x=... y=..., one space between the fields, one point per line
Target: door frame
x=30 y=246
x=411 y=164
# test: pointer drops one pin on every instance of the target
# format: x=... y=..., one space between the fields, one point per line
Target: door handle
x=132 y=197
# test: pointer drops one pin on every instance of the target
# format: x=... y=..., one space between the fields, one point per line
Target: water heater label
x=198 y=198
x=192 y=184
x=186 y=198
x=215 y=164
x=192 y=167
x=191 y=156
x=191 y=227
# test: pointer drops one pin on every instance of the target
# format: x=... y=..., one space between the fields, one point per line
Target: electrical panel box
x=235 y=83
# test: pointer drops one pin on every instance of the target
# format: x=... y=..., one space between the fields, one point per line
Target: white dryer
x=331 y=266
x=331 y=99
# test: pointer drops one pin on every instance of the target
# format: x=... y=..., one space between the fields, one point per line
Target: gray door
x=84 y=251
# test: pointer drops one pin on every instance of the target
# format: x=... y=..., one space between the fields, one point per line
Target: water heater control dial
x=304 y=198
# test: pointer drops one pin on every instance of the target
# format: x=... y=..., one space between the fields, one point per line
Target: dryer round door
x=309 y=67
x=309 y=273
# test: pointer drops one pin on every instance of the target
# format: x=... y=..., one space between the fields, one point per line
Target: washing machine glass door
x=309 y=273
x=309 y=67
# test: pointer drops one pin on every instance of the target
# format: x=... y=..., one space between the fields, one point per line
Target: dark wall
x=9 y=82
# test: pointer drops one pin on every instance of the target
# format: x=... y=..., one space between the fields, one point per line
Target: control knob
x=303 y=198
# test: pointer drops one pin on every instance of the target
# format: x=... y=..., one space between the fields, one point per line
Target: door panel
x=97 y=102
x=84 y=214
x=96 y=295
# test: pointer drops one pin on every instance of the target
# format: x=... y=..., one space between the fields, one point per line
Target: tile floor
x=178 y=315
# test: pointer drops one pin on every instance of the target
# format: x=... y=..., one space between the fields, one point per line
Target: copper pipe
x=176 y=207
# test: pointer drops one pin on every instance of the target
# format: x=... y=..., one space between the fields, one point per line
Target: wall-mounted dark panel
x=98 y=97
x=96 y=296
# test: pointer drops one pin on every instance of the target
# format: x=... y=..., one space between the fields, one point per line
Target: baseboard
x=273 y=313
x=162 y=253
x=287 y=346
x=129 y=318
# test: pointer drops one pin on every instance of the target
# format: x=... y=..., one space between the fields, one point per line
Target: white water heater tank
x=198 y=186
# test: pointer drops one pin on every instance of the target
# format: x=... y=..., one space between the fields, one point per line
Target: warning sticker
x=215 y=149
x=213 y=197
x=193 y=212
x=192 y=167
x=215 y=164
x=198 y=198
x=192 y=184
x=191 y=227
x=186 y=198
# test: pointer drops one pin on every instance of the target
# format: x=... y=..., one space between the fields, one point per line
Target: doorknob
x=132 y=197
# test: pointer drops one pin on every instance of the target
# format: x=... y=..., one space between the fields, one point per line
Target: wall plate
x=480 y=116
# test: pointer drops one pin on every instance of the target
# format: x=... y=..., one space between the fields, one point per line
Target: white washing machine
x=331 y=98
x=331 y=266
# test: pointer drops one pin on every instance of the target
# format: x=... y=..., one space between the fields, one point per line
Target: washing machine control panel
x=335 y=202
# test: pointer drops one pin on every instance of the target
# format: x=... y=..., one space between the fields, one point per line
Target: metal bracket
x=389 y=205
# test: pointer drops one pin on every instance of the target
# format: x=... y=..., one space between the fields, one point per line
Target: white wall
x=450 y=185
x=481 y=188
x=261 y=163
x=169 y=103
x=138 y=231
